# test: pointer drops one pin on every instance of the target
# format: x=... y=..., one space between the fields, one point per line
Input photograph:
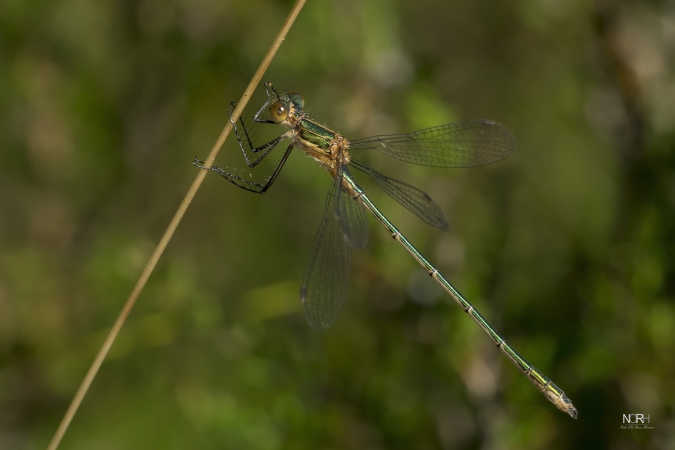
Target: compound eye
x=278 y=111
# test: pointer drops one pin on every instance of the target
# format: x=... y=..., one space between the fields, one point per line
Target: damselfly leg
x=246 y=147
x=247 y=185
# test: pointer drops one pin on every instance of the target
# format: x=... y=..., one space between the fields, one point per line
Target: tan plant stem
x=170 y=230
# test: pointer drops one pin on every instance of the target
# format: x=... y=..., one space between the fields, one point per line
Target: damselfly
x=343 y=226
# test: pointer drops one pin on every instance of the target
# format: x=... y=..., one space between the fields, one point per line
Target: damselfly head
x=278 y=106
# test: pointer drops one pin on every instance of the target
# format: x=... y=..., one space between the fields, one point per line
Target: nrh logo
x=636 y=421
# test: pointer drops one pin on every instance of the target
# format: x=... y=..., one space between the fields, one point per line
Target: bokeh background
x=566 y=247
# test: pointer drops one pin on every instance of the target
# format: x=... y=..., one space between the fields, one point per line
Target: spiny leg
x=264 y=148
x=242 y=183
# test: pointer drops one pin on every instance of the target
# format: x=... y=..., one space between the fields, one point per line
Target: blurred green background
x=566 y=247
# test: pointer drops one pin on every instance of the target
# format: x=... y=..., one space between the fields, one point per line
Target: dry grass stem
x=170 y=230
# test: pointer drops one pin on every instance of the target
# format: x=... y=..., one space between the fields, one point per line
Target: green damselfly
x=344 y=226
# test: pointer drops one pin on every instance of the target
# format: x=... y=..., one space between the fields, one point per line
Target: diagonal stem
x=170 y=230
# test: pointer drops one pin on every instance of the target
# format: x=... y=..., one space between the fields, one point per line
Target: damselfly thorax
x=327 y=147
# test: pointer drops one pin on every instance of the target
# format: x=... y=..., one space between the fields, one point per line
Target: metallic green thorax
x=315 y=133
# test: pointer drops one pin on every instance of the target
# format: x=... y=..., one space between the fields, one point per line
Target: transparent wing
x=352 y=218
x=463 y=144
x=324 y=288
x=414 y=200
